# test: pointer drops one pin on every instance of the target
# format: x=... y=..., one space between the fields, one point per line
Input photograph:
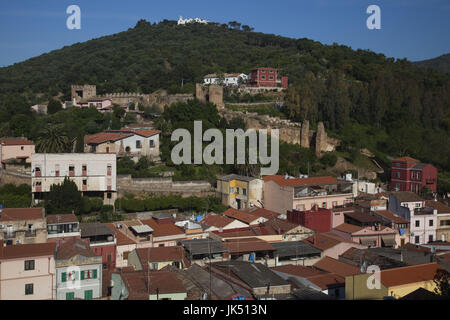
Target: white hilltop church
x=191 y=20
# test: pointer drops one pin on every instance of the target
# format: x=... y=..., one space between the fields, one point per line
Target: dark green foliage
x=54 y=106
x=328 y=159
x=64 y=198
x=12 y=196
x=441 y=63
x=130 y=204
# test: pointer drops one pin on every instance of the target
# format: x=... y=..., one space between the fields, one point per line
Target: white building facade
x=94 y=174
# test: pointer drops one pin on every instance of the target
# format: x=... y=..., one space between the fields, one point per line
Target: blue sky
x=413 y=29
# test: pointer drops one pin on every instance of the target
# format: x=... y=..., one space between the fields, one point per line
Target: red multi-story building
x=317 y=219
x=408 y=174
x=266 y=78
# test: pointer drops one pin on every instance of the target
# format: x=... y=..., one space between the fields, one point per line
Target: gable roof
x=160 y=254
x=409 y=274
x=325 y=240
x=281 y=181
x=240 y=215
x=137 y=283
x=262 y=212
x=348 y=228
x=19 y=214
x=103 y=137
x=439 y=206
x=215 y=220
x=327 y=280
x=163 y=229
x=15 y=142
x=121 y=238
x=338 y=267
x=73 y=246
x=146 y=133
x=18 y=251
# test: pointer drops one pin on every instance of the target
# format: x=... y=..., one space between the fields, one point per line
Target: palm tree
x=53 y=139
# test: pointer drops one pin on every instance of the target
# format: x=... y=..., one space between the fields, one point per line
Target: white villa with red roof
x=125 y=142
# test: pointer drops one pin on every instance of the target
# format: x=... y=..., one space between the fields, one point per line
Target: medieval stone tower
x=212 y=93
x=83 y=92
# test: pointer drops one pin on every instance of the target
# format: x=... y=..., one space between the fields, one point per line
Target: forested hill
x=364 y=98
x=441 y=63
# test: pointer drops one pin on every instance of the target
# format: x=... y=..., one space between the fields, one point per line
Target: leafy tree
x=64 y=198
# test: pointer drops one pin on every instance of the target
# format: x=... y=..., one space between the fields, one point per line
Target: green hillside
x=392 y=107
x=441 y=63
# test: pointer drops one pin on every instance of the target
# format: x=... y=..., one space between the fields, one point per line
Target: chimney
x=316 y=207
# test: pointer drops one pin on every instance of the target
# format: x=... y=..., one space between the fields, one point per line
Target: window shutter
x=95 y=274
x=82 y=275
x=63 y=277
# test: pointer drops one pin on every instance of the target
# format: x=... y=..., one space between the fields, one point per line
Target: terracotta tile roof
x=406 y=159
x=391 y=216
x=215 y=220
x=246 y=245
x=160 y=254
x=19 y=214
x=163 y=229
x=348 y=228
x=61 y=218
x=240 y=215
x=18 y=251
x=299 y=271
x=278 y=226
x=439 y=206
x=409 y=274
x=325 y=240
x=281 y=181
x=147 y=133
x=239 y=232
x=15 y=142
x=261 y=212
x=327 y=280
x=137 y=282
x=67 y=249
x=338 y=267
x=121 y=239
x=103 y=137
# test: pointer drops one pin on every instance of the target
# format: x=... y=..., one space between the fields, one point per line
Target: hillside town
x=99 y=202
x=279 y=237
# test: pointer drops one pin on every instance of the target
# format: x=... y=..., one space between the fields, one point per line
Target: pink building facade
x=18 y=149
x=27 y=272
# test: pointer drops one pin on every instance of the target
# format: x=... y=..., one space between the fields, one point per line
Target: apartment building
x=61 y=226
x=27 y=271
x=78 y=271
x=284 y=193
x=22 y=225
x=240 y=192
x=94 y=174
